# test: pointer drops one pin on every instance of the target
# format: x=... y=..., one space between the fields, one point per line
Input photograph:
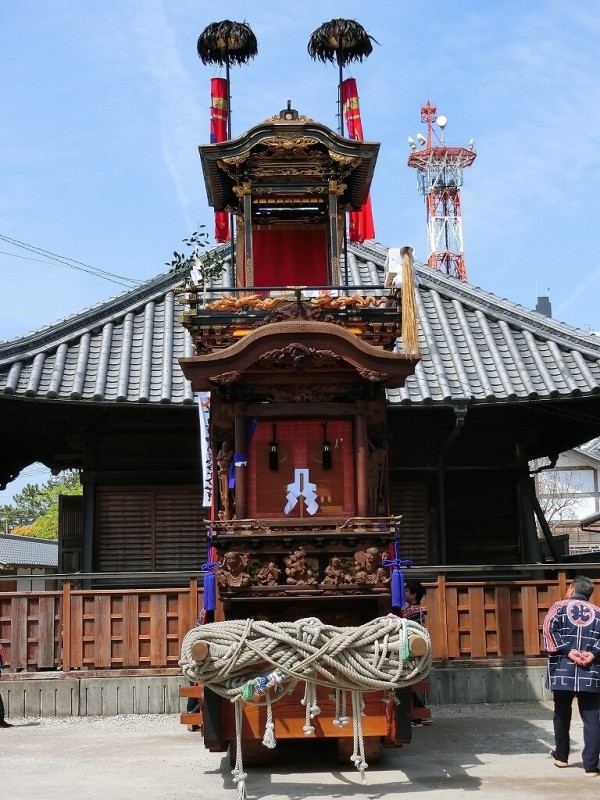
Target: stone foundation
x=79 y=695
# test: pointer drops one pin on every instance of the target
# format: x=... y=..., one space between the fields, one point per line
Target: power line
x=70 y=263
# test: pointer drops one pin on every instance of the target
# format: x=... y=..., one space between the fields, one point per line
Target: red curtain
x=284 y=257
x=361 y=222
x=218 y=133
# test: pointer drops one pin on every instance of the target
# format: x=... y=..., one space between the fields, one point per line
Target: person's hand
x=582 y=659
x=585 y=659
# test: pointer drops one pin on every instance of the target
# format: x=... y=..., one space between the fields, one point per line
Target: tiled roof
x=591 y=449
x=474 y=346
x=25 y=551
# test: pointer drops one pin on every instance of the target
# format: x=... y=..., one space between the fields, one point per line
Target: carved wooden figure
x=232 y=571
x=297 y=570
x=224 y=458
x=334 y=572
x=368 y=567
x=268 y=574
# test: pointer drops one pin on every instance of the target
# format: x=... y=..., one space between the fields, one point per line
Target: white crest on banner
x=203 y=399
x=301 y=487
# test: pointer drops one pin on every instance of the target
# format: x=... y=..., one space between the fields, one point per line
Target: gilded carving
x=284 y=170
x=348 y=301
x=337 y=187
x=243 y=189
x=234 y=160
x=228 y=303
x=289 y=142
x=345 y=161
x=279 y=121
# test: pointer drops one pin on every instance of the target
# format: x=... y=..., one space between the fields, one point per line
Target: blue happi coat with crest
x=572 y=624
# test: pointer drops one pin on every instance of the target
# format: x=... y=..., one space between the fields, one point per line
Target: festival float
x=302 y=631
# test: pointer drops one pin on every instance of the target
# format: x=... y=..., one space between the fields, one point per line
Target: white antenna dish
x=412 y=142
x=421 y=139
x=442 y=121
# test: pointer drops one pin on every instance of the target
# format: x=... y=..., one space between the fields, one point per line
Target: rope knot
x=269 y=739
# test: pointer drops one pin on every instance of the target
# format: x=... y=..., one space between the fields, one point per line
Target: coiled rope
x=375 y=656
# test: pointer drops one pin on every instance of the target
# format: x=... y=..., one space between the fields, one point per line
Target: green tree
x=34 y=510
x=209 y=265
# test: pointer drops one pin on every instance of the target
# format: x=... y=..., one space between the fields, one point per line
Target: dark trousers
x=589 y=711
x=1 y=709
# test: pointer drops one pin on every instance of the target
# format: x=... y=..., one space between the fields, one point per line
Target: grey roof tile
x=25 y=551
x=474 y=346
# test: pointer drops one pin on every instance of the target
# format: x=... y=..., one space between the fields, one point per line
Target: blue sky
x=104 y=104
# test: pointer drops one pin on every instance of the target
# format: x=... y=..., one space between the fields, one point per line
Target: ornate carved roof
x=299 y=151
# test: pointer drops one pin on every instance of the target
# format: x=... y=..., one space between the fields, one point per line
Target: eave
x=298 y=351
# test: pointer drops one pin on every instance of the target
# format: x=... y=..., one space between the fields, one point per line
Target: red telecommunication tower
x=439 y=178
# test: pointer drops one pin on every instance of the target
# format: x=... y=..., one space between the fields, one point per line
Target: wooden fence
x=97 y=629
x=138 y=629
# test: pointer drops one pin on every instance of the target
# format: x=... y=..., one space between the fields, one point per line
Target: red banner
x=218 y=133
x=361 y=222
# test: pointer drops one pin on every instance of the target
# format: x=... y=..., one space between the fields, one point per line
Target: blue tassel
x=397 y=588
x=210 y=594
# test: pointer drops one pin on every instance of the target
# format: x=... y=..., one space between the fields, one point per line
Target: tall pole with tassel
x=341 y=42
x=225 y=43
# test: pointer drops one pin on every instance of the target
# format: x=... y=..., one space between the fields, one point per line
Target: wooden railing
x=136 y=629
x=490 y=619
x=97 y=629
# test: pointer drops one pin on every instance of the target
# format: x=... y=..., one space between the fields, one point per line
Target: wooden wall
x=149 y=529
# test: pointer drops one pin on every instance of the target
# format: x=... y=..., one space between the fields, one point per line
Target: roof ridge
x=508 y=310
x=70 y=326
x=27 y=539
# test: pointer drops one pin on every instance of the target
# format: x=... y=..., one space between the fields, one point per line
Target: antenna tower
x=439 y=178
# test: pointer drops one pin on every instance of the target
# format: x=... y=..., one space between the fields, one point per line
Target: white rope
x=371 y=657
x=269 y=739
x=331 y=656
x=239 y=776
x=358 y=752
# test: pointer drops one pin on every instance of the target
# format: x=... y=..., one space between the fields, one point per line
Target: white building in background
x=570 y=493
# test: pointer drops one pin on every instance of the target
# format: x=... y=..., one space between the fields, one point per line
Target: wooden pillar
x=530 y=545
x=440 y=621
x=240 y=470
x=248 y=254
x=66 y=626
x=362 y=457
x=334 y=239
x=193 y=602
x=240 y=276
x=89 y=494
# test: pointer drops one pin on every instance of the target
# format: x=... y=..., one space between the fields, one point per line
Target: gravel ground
x=501 y=750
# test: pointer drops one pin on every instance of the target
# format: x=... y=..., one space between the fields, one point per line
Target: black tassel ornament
x=326 y=463
x=274 y=452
